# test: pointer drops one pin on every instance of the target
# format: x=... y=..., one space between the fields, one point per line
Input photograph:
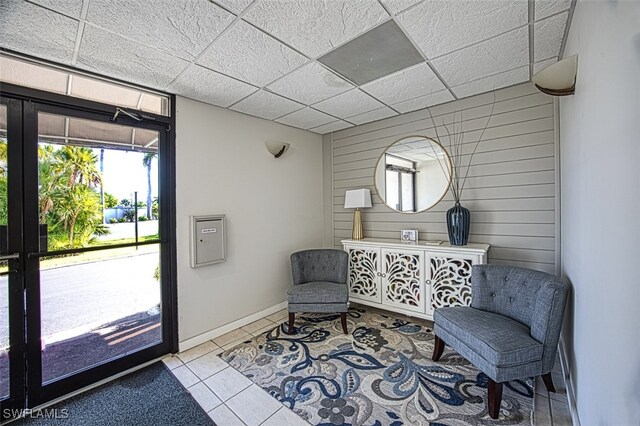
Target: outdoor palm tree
x=146 y=161
x=79 y=165
x=69 y=202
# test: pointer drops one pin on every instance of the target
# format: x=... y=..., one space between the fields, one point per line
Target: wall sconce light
x=357 y=199
x=277 y=149
x=558 y=79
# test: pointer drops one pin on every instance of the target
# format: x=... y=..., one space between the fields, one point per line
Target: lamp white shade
x=357 y=198
x=558 y=79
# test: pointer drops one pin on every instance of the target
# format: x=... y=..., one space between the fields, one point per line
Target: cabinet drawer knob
x=428 y=282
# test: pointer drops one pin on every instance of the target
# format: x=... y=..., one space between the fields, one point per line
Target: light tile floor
x=231 y=399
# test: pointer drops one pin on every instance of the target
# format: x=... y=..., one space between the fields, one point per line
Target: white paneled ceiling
x=260 y=57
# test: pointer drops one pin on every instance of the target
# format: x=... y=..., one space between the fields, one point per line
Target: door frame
x=15 y=281
x=32 y=102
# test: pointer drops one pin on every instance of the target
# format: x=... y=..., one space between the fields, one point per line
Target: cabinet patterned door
x=364 y=282
x=402 y=279
x=450 y=280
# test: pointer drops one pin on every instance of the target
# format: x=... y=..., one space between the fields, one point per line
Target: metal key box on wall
x=208 y=240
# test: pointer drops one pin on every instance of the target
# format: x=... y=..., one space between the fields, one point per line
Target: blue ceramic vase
x=458 y=222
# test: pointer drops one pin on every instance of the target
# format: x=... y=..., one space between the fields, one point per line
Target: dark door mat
x=151 y=396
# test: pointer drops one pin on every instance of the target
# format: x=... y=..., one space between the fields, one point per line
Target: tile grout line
x=228 y=408
x=235 y=394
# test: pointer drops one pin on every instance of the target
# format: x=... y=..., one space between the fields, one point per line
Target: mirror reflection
x=413 y=174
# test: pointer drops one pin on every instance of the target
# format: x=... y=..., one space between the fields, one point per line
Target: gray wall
x=600 y=150
x=273 y=208
x=511 y=189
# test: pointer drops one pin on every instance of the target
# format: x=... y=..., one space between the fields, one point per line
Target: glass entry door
x=87 y=254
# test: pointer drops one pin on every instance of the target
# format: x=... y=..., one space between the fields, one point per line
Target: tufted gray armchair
x=511 y=329
x=319 y=284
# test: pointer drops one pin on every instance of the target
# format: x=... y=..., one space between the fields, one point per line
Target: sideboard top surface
x=474 y=248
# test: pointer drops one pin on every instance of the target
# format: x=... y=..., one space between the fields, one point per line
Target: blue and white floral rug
x=379 y=374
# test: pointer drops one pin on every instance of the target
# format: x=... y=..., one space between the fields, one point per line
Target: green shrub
x=142 y=219
x=113 y=220
x=122 y=220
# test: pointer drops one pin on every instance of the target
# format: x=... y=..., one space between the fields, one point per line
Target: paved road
x=78 y=298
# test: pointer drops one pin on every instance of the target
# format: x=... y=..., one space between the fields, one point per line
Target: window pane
x=393 y=197
x=119 y=313
x=4 y=267
x=98 y=183
x=30 y=74
x=407 y=192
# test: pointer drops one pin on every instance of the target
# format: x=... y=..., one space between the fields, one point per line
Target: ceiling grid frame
x=386 y=108
x=415 y=45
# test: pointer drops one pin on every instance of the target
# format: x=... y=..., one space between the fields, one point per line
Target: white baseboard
x=212 y=334
x=571 y=394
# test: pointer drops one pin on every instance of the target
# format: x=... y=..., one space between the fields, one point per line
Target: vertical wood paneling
x=510 y=191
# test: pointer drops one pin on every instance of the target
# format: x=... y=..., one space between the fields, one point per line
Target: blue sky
x=124 y=173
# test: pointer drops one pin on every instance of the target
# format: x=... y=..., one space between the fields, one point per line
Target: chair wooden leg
x=438 y=349
x=495 y=398
x=343 y=320
x=548 y=382
x=292 y=320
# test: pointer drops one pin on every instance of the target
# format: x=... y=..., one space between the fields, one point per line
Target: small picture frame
x=409 y=236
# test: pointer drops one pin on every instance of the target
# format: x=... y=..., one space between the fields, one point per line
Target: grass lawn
x=93 y=256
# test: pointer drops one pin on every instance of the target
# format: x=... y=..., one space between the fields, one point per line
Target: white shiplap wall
x=510 y=191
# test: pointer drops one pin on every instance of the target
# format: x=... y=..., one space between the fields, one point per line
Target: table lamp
x=357 y=199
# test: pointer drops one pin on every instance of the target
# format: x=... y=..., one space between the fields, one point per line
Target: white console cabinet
x=411 y=279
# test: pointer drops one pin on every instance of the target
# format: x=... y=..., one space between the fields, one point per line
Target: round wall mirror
x=413 y=174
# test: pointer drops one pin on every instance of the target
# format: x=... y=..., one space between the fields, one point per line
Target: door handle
x=10 y=256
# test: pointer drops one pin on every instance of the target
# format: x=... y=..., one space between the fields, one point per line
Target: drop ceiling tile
x=109 y=54
x=539 y=66
x=494 y=82
x=72 y=8
x=374 y=115
x=350 y=103
x=406 y=84
x=209 y=86
x=35 y=31
x=246 y=53
x=266 y=105
x=331 y=127
x=236 y=6
x=397 y=6
x=306 y=118
x=440 y=27
x=310 y=84
x=182 y=28
x=424 y=101
x=548 y=36
x=316 y=26
x=544 y=8
x=502 y=53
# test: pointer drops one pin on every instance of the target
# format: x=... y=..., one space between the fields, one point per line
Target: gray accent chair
x=319 y=284
x=511 y=329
